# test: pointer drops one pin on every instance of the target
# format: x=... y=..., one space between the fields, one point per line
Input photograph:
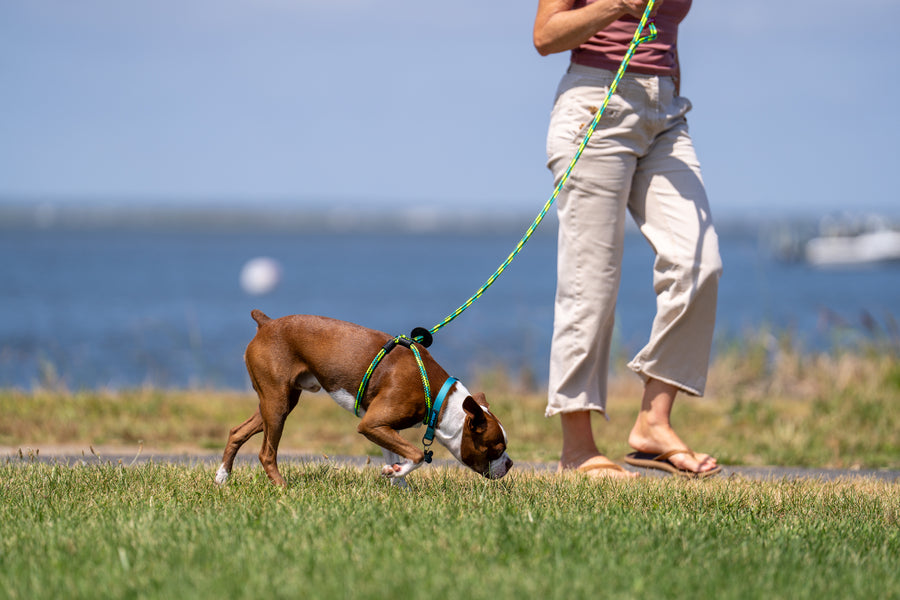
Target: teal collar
x=432 y=417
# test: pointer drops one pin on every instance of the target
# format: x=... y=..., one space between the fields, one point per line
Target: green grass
x=163 y=531
x=97 y=530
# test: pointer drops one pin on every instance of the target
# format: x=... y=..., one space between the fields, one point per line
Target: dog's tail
x=260 y=317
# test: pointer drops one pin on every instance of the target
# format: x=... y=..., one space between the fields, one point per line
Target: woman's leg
x=592 y=213
x=653 y=433
x=670 y=206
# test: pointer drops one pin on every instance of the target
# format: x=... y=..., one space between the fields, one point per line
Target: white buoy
x=260 y=276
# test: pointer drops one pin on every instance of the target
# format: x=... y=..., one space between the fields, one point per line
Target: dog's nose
x=505 y=466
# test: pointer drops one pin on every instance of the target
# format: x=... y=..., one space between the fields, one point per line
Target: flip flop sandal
x=661 y=462
x=595 y=467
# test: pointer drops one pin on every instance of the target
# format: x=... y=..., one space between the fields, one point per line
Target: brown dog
x=304 y=352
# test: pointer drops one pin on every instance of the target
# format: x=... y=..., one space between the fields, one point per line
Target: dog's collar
x=432 y=417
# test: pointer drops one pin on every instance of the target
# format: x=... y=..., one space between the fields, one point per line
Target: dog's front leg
x=406 y=457
x=398 y=467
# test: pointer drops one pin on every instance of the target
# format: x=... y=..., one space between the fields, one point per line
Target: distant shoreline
x=327 y=215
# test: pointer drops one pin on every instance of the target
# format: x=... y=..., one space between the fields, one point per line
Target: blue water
x=92 y=309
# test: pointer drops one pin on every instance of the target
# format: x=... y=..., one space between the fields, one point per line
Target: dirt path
x=75 y=455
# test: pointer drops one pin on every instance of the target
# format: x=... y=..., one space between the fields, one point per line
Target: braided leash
x=425 y=336
x=637 y=40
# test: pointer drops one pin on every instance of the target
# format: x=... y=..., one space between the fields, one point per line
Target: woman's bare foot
x=653 y=434
x=580 y=452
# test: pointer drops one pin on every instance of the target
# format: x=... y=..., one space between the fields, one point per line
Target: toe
x=693 y=462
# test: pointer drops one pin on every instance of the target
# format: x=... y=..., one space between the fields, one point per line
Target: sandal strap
x=671 y=453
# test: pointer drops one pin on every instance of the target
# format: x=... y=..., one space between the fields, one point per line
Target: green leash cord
x=637 y=40
x=424 y=336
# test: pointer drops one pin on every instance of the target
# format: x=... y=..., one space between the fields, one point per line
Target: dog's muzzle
x=500 y=467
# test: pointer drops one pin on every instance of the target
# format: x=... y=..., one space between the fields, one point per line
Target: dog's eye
x=496 y=451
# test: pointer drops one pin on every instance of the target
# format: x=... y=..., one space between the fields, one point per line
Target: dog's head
x=483 y=444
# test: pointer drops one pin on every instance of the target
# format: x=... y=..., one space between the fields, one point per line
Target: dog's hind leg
x=274 y=407
x=236 y=438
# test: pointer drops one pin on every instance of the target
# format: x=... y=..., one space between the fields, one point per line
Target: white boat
x=867 y=247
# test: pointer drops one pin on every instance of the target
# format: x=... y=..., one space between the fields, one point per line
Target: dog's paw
x=398 y=470
x=222 y=475
x=390 y=470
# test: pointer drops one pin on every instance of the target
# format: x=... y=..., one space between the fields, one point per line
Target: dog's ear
x=481 y=399
x=476 y=414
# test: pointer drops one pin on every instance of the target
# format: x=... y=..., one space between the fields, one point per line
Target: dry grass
x=766 y=404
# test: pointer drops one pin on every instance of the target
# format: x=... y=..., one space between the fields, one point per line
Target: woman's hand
x=636 y=8
x=557 y=27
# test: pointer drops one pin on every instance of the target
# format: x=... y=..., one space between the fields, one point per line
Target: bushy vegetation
x=767 y=404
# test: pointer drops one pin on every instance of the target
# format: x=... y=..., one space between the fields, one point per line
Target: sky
x=408 y=104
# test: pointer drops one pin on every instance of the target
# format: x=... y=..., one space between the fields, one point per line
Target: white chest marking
x=450 y=429
x=346 y=400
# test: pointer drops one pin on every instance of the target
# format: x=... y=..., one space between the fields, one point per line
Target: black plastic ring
x=421 y=332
